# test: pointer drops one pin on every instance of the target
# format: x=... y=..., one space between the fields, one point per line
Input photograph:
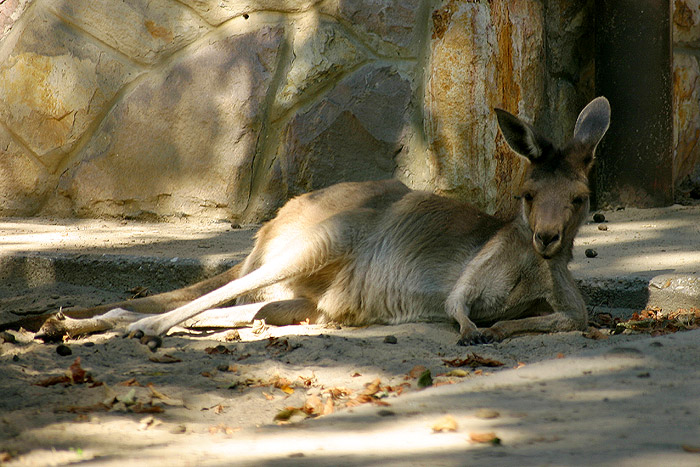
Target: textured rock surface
x=55 y=84
x=201 y=115
x=484 y=55
x=23 y=179
x=224 y=109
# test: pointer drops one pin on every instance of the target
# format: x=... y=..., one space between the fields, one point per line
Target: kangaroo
x=377 y=252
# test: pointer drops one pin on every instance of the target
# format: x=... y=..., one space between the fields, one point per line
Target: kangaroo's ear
x=521 y=137
x=591 y=125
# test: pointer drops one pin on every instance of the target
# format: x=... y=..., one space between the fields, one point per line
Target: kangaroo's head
x=555 y=193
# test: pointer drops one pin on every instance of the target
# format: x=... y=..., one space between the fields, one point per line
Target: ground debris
x=473 y=361
x=656 y=322
x=74 y=375
x=446 y=423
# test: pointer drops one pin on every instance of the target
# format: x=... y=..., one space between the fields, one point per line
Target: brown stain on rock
x=158 y=32
x=508 y=166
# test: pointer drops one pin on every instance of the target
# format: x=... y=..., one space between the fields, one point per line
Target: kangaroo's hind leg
x=298 y=254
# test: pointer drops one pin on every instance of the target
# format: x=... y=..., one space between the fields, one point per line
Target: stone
x=24 y=181
x=181 y=142
x=388 y=27
x=10 y=12
x=353 y=133
x=217 y=11
x=54 y=83
x=321 y=52
x=686 y=116
x=686 y=22
x=146 y=30
x=484 y=55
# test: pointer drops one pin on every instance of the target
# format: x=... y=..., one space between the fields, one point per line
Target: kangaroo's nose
x=547 y=238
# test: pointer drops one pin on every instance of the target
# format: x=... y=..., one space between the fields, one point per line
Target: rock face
x=225 y=109
x=686 y=92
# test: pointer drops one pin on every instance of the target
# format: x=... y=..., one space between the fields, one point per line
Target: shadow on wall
x=156 y=109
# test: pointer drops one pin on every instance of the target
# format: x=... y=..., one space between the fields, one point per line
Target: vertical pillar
x=634 y=71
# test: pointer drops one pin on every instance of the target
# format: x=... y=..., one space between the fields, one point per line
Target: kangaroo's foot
x=480 y=336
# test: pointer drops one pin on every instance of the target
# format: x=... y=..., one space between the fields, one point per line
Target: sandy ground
x=357 y=396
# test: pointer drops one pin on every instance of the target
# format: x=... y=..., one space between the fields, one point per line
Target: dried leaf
x=167 y=400
x=425 y=379
x=560 y=355
x=219 y=409
x=141 y=408
x=130 y=382
x=488 y=437
x=355 y=375
x=372 y=388
x=268 y=396
x=689 y=448
x=415 y=372
x=446 y=423
x=457 y=373
x=313 y=405
x=218 y=350
x=206 y=374
x=595 y=334
x=287 y=413
x=328 y=407
x=76 y=373
x=473 y=361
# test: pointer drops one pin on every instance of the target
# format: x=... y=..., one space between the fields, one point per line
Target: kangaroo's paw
x=480 y=336
x=148 y=331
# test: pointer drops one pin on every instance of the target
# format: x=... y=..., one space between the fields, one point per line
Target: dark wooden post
x=634 y=71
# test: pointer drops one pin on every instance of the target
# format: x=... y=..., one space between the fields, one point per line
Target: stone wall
x=226 y=108
x=686 y=95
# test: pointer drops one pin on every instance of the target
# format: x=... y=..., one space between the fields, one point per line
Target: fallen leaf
x=268 y=396
x=560 y=355
x=355 y=375
x=206 y=374
x=488 y=437
x=473 y=361
x=371 y=388
x=53 y=380
x=313 y=405
x=595 y=334
x=130 y=382
x=415 y=372
x=219 y=349
x=328 y=407
x=425 y=379
x=446 y=423
x=167 y=400
x=457 y=373
x=689 y=448
x=148 y=408
x=287 y=413
x=219 y=409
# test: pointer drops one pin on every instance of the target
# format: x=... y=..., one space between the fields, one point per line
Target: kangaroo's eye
x=578 y=201
x=528 y=197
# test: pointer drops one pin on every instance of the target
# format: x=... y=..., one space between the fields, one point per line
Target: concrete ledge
x=646 y=258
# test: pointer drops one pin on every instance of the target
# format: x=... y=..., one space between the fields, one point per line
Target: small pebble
x=598 y=217
x=391 y=340
x=603 y=227
x=591 y=253
x=89 y=344
x=63 y=350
